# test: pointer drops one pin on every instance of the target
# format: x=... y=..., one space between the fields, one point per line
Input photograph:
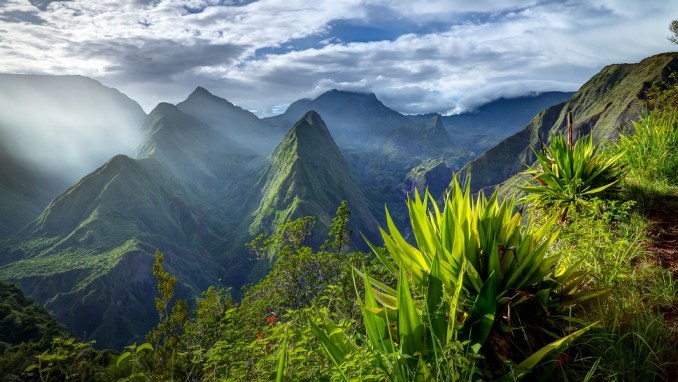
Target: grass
x=634 y=342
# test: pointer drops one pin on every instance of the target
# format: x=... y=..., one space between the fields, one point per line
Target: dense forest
x=565 y=276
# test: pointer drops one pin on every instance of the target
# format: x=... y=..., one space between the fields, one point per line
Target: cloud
x=146 y=60
x=21 y=17
x=429 y=55
x=551 y=46
x=43 y=4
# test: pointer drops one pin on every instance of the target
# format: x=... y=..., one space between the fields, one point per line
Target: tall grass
x=606 y=240
x=633 y=342
x=651 y=150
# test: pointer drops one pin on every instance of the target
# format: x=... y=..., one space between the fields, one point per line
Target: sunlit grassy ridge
x=307 y=173
x=56 y=262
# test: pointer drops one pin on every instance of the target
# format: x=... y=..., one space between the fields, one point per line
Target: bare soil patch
x=664 y=246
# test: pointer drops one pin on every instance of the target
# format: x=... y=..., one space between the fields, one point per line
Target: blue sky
x=417 y=56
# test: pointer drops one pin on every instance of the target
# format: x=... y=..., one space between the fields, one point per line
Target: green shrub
x=567 y=178
x=476 y=284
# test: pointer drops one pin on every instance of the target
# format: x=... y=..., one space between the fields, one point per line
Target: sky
x=416 y=56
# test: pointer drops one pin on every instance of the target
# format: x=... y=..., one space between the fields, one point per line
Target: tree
x=339 y=232
x=166 y=337
x=673 y=27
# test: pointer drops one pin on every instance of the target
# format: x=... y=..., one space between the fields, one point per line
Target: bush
x=477 y=284
x=567 y=178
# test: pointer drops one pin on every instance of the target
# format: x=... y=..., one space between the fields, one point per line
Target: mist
x=66 y=125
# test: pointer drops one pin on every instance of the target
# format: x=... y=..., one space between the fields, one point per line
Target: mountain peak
x=310 y=123
x=201 y=91
x=312 y=117
x=293 y=184
x=437 y=121
x=201 y=94
x=356 y=120
x=348 y=94
x=164 y=108
x=309 y=134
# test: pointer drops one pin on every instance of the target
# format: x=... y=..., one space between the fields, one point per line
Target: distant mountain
x=179 y=197
x=308 y=175
x=24 y=191
x=379 y=144
x=427 y=137
x=235 y=123
x=604 y=105
x=480 y=129
x=105 y=229
x=432 y=175
x=54 y=130
x=356 y=120
x=189 y=147
x=489 y=124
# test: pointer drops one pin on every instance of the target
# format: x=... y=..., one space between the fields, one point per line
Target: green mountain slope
x=380 y=145
x=603 y=106
x=26 y=329
x=308 y=175
x=104 y=230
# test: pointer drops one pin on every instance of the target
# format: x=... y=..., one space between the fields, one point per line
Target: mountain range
x=205 y=176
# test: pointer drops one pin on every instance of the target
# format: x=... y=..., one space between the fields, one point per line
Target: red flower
x=563 y=360
x=271 y=318
x=259 y=335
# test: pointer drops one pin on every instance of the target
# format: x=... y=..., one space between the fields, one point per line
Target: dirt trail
x=664 y=232
x=664 y=245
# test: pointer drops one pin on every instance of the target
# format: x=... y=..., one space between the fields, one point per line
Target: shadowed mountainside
x=603 y=106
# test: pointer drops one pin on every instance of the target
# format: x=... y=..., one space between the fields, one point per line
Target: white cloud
x=159 y=51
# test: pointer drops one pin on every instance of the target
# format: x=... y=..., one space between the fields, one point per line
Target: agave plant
x=462 y=285
x=568 y=177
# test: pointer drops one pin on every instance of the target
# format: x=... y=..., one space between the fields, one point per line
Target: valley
x=207 y=177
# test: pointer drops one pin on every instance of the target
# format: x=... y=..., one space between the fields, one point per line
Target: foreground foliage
x=651 y=150
x=567 y=177
x=475 y=294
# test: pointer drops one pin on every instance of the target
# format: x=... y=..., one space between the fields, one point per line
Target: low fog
x=66 y=125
